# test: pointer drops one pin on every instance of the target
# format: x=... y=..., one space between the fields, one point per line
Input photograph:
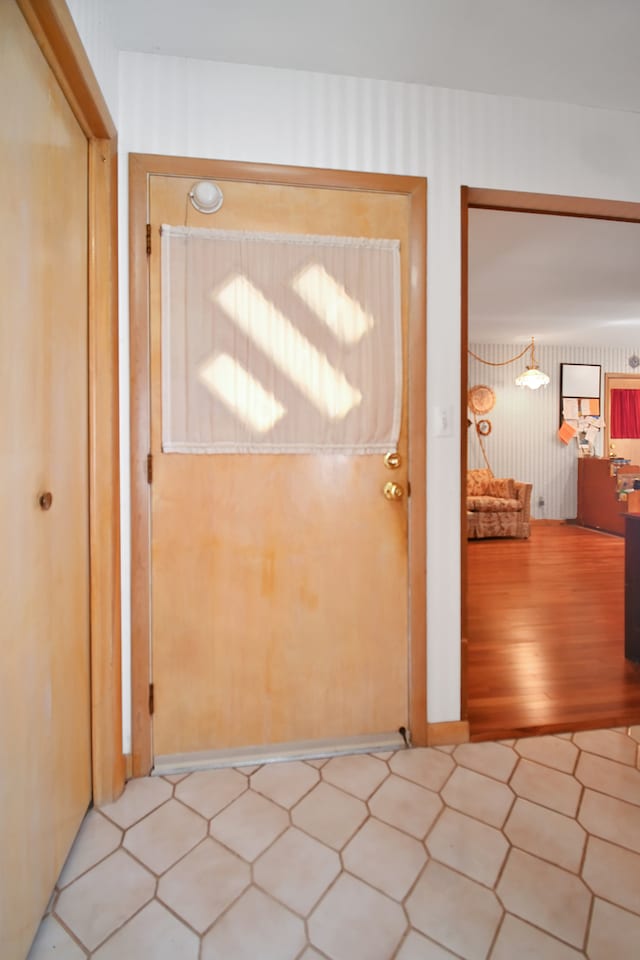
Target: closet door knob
x=45 y=500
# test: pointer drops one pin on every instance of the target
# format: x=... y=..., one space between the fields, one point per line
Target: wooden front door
x=279 y=582
x=45 y=786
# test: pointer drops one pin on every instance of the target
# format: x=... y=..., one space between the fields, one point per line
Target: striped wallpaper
x=188 y=107
x=523 y=442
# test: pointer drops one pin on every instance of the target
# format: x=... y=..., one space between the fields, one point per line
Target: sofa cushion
x=501 y=487
x=477 y=481
x=493 y=505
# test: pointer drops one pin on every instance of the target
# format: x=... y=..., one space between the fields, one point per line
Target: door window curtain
x=625 y=414
x=279 y=343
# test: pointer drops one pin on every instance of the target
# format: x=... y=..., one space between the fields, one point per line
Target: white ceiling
x=555 y=278
x=575 y=51
x=561 y=279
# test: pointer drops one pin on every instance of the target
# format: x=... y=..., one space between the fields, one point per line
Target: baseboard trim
x=448 y=733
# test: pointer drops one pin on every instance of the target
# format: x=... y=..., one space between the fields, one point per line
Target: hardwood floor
x=546 y=634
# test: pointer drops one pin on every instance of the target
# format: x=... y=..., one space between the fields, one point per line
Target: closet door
x=45 y=782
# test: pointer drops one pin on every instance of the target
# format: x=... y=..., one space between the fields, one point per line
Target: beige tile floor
x=520 y=850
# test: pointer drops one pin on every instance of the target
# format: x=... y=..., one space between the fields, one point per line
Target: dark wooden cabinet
x=598 y=505
x=632 y=587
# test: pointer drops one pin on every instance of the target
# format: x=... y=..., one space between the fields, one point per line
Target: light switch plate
x=442 y=417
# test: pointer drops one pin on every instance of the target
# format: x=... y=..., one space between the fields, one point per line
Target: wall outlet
x=541 y=501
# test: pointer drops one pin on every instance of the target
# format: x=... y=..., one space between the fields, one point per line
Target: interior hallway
x=527 y=848
x=546 y=634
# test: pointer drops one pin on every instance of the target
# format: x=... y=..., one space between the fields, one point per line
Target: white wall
x=199 y=108
x=523 y=443
x=94 y=24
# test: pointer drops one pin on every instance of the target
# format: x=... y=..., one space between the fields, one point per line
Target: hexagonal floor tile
x=469 y=846
x=297 y=870
x=209 y=791
x=517 y=940
x=255 y=926
x=493 y=759
x=546 y=896
x=250 y=824
x=613 y=933
x=551 y=788
x=608 y=743
x=104 y=898
x=479 y=796
x=153 y=933
x=52 y=940
x=203 y=884
x=405 y=805
x=610 y=777
x=613 y=873
x=96 y=839
x=611 y=819
x=359 y=775
x=329 y=815
x=285 y=783
x=546 y=834
x=385 y=858
x=551 y=751
x=139 y=798
x=439 y=902
x=417 y=947
x=165 y=835
x=423 y=765
x=355 y=922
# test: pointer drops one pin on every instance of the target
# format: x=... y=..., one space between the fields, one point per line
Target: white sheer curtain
x=279 y=343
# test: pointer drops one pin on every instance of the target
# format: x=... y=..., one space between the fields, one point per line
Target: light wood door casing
x=628 y=448
x=279 y=583
x=45 y=786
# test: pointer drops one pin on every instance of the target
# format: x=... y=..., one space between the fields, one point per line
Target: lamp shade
x=532 y=378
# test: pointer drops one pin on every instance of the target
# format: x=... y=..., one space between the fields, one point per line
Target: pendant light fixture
x=532 y=377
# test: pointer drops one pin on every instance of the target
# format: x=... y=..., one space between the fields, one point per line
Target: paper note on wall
x=570 y=409
x=590 y=406
x=566 y=432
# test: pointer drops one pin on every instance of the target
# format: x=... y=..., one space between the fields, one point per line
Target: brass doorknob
x=45 y=500
x=393 y=491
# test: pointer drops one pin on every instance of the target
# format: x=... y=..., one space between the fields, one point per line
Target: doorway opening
x=543 y=621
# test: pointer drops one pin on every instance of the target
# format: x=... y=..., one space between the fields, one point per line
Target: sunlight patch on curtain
x=280 y=343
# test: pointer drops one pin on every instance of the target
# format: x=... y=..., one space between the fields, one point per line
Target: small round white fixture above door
x=206 y=196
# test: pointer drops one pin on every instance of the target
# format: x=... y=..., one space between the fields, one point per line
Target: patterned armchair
x=497 y=507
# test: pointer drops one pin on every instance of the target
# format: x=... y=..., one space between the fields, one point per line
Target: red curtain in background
x=625 y=414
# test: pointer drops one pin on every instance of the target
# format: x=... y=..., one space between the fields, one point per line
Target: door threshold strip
x=173 y=763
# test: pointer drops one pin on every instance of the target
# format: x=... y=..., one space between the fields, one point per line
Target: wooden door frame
x=513 y=201
x=143 y=166
x=55 y=32
x=608 y=378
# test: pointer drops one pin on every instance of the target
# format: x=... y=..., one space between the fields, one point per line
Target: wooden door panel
x=44 y=687
x=279 y=583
